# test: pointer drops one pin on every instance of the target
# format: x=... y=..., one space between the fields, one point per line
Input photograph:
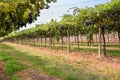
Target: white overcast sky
x=60 y=8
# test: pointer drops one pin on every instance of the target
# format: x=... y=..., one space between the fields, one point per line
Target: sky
x=61 y=7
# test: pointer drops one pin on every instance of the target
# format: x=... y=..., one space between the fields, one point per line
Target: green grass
x=117 y=45
x=15 y=78
x=16 y=61
x=114 y=53
x=64 y=70
x=11 y=64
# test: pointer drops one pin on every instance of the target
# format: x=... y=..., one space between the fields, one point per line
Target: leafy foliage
x=85 y=21
x=15 y=14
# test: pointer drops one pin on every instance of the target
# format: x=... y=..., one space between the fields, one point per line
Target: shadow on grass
x=112 y=53
x=16 y=61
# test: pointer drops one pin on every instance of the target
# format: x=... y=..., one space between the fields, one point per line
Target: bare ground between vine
x=3 y=75
x=35 y=75
x=98 y=65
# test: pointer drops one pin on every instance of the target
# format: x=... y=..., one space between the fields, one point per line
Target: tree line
x=15 y=14
x=101 y=19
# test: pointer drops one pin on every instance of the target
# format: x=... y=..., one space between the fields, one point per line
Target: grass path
x=85 y=46
x=48 y=63
x=112 y=50
x=3 y=75
x=92 y=47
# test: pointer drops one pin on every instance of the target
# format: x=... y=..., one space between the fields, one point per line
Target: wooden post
x=68 y=34
x=100 y=42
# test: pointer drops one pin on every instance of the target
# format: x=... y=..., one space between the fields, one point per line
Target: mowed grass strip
x=111 y=49
x=48 y=65
x=12 y=65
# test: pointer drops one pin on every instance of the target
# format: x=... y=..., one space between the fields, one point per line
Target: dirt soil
x=112 y=63
x=3 y=75
x=35 y=75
